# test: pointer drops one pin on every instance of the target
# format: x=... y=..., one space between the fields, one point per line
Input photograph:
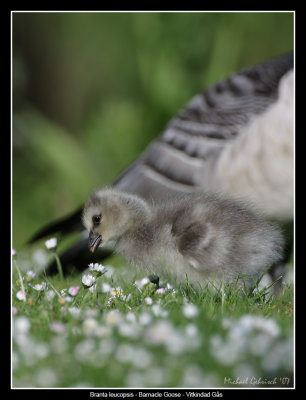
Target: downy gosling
x=197 y=236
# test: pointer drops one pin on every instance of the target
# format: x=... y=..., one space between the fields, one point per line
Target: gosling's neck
x=137 y=231
x=136 y=213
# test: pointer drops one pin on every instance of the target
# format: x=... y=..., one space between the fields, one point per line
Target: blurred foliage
x=90 y=90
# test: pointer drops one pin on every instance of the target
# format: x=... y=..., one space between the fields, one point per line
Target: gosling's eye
x=96 y=219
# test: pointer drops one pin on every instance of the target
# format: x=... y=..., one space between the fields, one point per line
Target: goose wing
x=185 y=155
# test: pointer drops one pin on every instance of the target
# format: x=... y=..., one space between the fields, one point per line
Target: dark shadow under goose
x=236 y=137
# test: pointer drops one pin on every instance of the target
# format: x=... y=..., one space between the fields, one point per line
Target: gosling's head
x=110 y=213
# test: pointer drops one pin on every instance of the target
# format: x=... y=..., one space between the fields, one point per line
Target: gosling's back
x=202 y=235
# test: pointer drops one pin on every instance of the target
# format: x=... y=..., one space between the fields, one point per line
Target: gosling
x=197 y=236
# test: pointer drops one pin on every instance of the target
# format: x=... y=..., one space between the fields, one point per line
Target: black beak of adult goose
x=94 y=241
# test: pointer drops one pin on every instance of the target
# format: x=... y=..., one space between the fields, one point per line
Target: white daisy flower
x=140 y=284
x=40 y=257
x=46 y=377
x=106 y=287
x=190 y=310
x=97 y=269
x=73 y=290
x=21 y=325
x=158 y=311
x=89 y=326
x=131 y=317
x=148 y=301
x=145 y=318
x=113 y=318
x=159 y=333
x=75 y=312
x=50 y=294
x=57 y=327
x=88 y=280
x=30 y=275
x=21 y=295
x=51 y=243
x=40 y=287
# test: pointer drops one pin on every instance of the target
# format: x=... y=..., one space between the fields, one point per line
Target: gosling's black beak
x=94 y=240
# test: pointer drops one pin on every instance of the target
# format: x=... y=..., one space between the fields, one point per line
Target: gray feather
x=184 y=157
x=198 y=236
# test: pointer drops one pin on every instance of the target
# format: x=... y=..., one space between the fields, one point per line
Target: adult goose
x=236 y=138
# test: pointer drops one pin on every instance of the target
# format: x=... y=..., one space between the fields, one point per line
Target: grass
x=130 y=333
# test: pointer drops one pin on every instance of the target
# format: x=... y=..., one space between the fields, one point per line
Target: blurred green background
x=91 y=90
